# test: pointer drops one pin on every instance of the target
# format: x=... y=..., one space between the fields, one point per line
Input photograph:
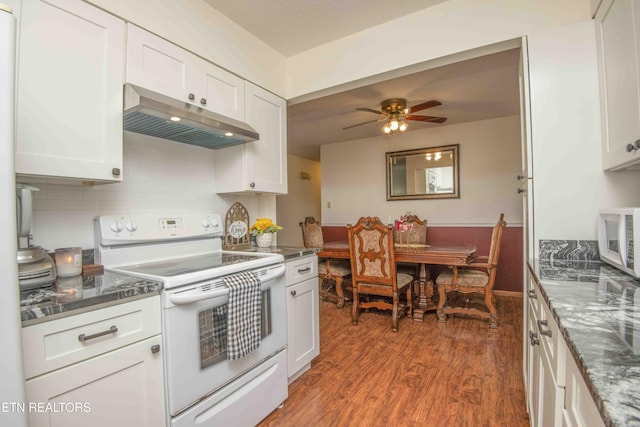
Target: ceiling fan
x=395 y=113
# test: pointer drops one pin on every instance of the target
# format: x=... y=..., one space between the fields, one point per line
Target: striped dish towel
x=243 y=318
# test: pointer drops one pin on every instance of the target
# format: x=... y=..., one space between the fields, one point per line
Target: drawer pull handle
x=544 y=323
x=111 y=330
x=533 y=338
x=532 y=294
x=304 y=270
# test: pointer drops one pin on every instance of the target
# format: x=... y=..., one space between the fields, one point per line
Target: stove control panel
x=147 y=227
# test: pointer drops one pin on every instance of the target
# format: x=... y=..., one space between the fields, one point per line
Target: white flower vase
x=264 y=240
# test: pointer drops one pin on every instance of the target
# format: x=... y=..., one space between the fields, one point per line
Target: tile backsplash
x=159 y=176
x=575 y=250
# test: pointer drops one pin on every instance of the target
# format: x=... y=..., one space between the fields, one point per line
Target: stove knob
x=131 y=226
x=116 y=226
x=215 y=223
x=206 y=224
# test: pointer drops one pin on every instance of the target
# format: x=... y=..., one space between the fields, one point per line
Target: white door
x=303 y=321
x=565 y=131
x=156 y=64
x=619 y=78
x=266 y=158
x=121 y=388
x=69 y=105
x=223 y=92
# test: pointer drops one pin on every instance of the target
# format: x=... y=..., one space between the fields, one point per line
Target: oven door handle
x=271 y=274
x=196 y=295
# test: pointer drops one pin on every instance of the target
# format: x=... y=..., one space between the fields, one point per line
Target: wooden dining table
x=452 y=255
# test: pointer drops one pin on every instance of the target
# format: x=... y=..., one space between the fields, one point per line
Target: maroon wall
x=509 y=277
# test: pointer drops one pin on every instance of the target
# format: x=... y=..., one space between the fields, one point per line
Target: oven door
x=195 y=336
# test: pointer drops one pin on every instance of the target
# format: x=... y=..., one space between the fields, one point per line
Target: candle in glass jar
x=68 y=261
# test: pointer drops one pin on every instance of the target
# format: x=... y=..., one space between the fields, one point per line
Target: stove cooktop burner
x=180 y=266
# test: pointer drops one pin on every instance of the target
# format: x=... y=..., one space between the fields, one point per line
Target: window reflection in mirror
x=426 y=173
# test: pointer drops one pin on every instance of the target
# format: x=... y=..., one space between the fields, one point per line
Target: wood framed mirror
x=425 y=173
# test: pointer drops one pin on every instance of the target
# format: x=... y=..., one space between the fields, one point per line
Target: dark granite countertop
x=597 y=308
x=288 y=252
x=73 y=295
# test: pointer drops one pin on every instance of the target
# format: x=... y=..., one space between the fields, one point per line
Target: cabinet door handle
x=203 y=101
x=533 y=338
x=252 y=184
x=293 y=293
x=304 y=270
x=155 y=349
x=532 y=294
x=111 y=330
x=546 y=332
x=191 y=97
x=115 y=171
x=634 y=146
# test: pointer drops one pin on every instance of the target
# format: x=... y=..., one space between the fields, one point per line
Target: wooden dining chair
x=415 y=234
x=373 y=270
x=331 y=272
x=477 y=278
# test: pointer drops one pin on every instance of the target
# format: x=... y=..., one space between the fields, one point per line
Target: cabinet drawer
x=301 y=269
x=58 y=343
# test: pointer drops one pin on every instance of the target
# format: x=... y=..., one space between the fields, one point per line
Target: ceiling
x=293 y=26
x=475 y=89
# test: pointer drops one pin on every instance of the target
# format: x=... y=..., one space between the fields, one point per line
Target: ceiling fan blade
x=360 y=124
x=427 y=119
x=369 y=110
x=424 y=105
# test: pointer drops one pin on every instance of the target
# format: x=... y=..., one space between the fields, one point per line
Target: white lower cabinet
x=546 y=365
x=121 y=388
x=556 y=394
x=579 y=408
x=303 y=317
x=99 y=368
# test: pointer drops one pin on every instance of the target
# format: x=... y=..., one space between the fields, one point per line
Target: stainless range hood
x=150 y=113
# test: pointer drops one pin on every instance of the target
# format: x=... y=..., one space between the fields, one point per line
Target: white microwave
x=619 y=238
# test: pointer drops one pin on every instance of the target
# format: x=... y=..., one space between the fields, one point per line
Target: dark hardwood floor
x=460 y=373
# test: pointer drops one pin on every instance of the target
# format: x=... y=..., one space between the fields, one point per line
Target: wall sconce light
x=305 y=175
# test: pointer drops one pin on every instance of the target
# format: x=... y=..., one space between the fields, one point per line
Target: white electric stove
x=184 y=252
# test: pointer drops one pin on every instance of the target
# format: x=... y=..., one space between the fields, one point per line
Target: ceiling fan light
x=393 y=124
x=386 y=129
x=403 y=126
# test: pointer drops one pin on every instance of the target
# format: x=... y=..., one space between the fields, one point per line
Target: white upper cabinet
x=161 y=66
x=259 y=166
x=618 y=36
x=69 y=91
